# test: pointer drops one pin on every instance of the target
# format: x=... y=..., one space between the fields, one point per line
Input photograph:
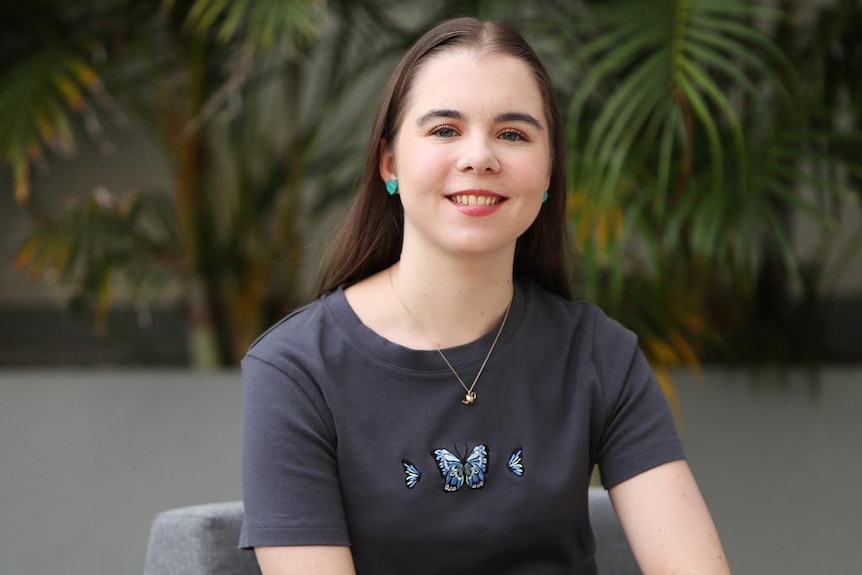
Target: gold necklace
x=470 y=395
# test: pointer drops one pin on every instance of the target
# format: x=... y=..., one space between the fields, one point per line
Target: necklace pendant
x=470 y=398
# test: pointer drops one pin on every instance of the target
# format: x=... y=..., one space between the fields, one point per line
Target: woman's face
x=472 y=154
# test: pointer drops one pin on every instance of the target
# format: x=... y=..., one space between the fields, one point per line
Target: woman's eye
x=444 y=131
x=513 y=136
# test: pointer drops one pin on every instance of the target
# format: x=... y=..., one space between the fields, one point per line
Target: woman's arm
x=305 y=560
x=667 y=523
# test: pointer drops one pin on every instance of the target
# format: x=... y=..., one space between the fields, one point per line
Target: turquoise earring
x=392 y=186
x=545 y=197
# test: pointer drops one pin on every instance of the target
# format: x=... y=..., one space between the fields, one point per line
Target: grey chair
x=202 y=540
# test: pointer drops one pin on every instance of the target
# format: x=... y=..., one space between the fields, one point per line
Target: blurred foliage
x=261 y=108
x=696 y=129
x=105 y=237
x=693 y=128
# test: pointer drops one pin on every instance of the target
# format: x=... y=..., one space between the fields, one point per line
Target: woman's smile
x=471 y=199
x=476 y=202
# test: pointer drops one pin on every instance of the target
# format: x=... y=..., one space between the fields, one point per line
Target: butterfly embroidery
x=516 y=463
x=456 y=471
x=411 y=474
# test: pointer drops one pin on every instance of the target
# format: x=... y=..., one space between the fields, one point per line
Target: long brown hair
x=370 y=240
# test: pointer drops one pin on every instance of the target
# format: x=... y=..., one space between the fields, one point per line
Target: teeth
x=471 y=200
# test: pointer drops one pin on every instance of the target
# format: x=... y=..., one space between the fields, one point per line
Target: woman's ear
x=387 y=161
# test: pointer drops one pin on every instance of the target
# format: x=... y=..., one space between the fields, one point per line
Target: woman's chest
x=424 y=476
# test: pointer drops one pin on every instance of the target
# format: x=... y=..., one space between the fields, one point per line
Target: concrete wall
x=88 y=457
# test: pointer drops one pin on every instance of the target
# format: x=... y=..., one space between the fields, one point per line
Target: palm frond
x=692 y=54
x=106 y=240
x=51 y=89
x=41 y=98
x=261 y=24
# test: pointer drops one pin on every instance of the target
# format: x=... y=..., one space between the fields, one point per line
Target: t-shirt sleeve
x=289 y=469
x=638 y=431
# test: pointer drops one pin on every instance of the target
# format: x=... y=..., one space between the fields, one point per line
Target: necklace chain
x=470 y=394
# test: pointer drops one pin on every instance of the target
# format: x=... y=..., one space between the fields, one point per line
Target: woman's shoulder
x=301 y=329
x=577 y=310
x=587 y=321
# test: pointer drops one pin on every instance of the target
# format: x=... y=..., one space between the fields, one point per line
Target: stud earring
x=545 y=197
x=392 y=186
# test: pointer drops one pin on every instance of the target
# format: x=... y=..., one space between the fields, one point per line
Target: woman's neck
x=452 y=302
x=424 y=302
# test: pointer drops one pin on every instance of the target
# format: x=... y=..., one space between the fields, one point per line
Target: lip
x=476 y=192
x=477 y=204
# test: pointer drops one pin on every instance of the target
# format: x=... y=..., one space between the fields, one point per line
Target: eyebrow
x=519 y=117
x=433 y=114
x=456 y=115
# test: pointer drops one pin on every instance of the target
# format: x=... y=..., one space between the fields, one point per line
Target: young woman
x=442 y=403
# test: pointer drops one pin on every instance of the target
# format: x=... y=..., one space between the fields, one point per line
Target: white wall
x=780 y=469
x=87 y=458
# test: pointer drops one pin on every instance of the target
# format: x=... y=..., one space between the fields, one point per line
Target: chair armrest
x=613 y=554
x=199 y=540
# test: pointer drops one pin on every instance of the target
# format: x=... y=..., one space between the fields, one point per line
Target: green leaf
x=671 y=125
x=628 y=109
x=708 y=123
x=706 y=84
x=609 y=64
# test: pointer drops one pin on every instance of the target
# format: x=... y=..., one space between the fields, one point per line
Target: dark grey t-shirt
x=351 y=439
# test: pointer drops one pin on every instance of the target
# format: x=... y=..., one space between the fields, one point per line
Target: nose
x=477 y=155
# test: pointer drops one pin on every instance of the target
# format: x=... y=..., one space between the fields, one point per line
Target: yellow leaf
x=25 y=255
x=601 y=233
x=662 y=352
x=669 y=389
x=21 y=170
x=47 y=129
x=684 y=350
x=70 y=93
x=85 y=73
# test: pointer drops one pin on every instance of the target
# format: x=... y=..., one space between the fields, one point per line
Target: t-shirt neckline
x=384 y=350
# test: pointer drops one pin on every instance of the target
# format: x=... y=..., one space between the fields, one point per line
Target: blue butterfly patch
x=411 y=474
x=456 y=471
x=516 y=463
